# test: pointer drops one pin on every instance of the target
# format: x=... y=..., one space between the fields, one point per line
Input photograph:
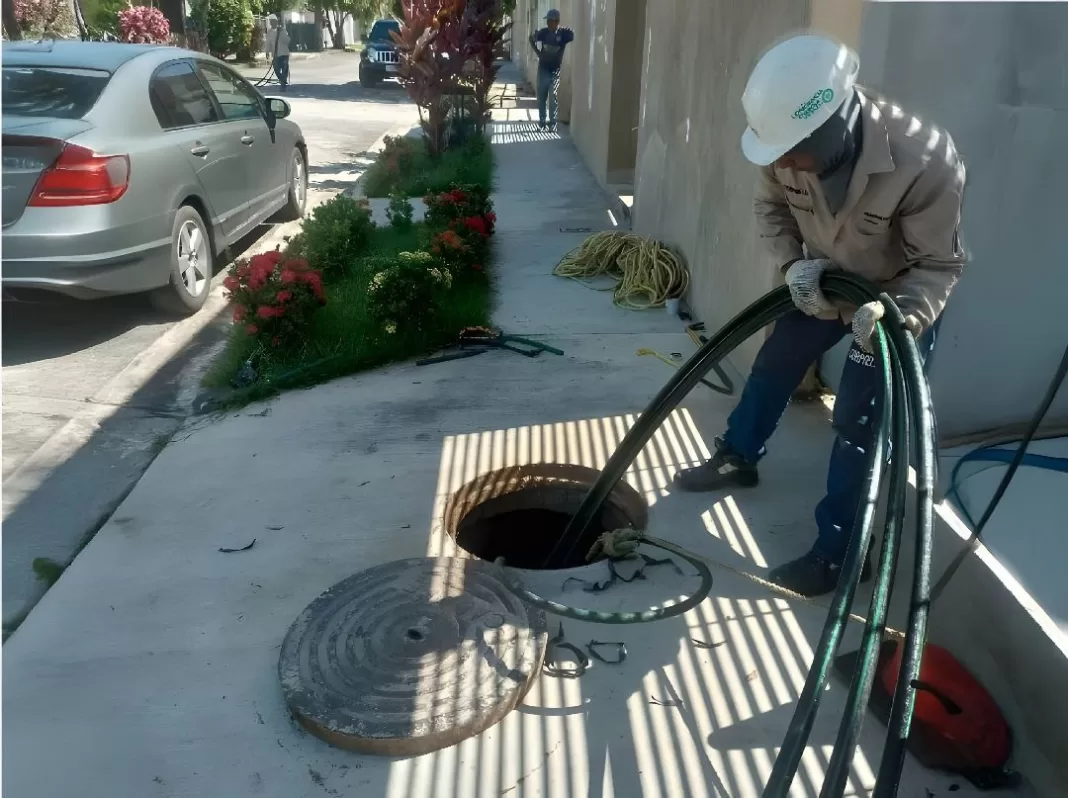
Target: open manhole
x=519 y=513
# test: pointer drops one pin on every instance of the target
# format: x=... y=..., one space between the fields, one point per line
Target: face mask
x=835 y=146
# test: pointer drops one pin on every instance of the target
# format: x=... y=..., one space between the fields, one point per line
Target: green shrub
x=103 y=15
x=335 y=236
x=400 y=212
x=229 y=24
x=408 y=294
x=405 y=166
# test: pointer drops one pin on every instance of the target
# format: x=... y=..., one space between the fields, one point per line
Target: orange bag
x=956 y=725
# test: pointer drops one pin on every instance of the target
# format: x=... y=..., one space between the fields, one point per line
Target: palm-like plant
x=431 y=58
x=483 y=33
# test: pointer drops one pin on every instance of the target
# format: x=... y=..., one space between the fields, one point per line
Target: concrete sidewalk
x=150 y=669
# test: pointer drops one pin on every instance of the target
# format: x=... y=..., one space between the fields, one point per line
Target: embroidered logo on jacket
x=813 y=104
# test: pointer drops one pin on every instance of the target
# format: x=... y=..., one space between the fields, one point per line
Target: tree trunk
x=79 y=20
x=322 y=20
x=339 y=30
x=329 y=18
x=11 y=22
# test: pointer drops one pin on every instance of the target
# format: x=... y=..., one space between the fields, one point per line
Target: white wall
x=994 y=75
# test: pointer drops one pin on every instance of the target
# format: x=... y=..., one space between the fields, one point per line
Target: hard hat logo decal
x=813 y=104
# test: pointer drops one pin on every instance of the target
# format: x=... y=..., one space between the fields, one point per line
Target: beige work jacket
x=900 y=224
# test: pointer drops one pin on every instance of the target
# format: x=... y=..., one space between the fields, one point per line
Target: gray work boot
x=725 y=470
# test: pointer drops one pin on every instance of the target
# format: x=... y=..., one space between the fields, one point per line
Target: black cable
x=800 y=728
x=834 y=781
x=1032 y=429
x=923 y=439
x=903 y=367
x=754 y=318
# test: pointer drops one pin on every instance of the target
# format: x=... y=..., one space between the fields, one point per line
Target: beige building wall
x=694 y=189
x=591 y=67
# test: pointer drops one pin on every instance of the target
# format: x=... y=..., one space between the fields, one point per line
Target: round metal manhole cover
x=411 y=656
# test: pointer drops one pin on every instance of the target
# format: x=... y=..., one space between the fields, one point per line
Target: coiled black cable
x=907 y=416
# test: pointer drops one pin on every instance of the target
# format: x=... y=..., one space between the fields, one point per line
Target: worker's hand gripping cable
x=803 y=279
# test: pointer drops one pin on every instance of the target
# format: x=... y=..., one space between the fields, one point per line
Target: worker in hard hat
x=846 y=182
x=549 y=44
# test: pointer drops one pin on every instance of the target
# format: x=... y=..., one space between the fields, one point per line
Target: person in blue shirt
x=552 y=40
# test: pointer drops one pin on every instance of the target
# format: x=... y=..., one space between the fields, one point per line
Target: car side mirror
x=363 y=38
x=278 y=108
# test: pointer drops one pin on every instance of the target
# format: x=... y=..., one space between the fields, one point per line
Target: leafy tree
x=12 y=29
x=228 y=24
x=336 y=12
x=50 y=18
x=102 y=16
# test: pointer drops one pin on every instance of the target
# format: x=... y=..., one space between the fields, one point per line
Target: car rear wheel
x=298 y=189
x=191 y=266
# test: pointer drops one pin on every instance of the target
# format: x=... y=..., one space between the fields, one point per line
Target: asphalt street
x=93 y=390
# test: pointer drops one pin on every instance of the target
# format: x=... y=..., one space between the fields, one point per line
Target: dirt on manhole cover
x=411 y=656
x=520 y=513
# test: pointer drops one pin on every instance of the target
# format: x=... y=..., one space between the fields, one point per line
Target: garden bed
x=346 y=295
x=406 y=167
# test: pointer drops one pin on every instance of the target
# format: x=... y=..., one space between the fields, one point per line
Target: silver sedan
x=131 y=168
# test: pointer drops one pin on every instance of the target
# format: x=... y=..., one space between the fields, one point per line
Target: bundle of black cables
x=906 y=426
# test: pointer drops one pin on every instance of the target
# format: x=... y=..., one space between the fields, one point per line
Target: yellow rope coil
x=646 y=272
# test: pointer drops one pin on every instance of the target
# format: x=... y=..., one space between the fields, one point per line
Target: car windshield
x=380 y=30
x=61 y=92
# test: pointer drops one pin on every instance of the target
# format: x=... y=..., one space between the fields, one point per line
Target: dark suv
x=378 y=60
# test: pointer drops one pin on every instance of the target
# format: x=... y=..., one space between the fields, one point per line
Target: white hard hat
x=794 y=88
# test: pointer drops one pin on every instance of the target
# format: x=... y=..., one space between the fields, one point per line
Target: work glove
x=803 y=278
x=867 y=317
x=865 y=320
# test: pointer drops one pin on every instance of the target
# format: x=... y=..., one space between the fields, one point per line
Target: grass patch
x=418 y=174
x=341 y=300
x=344 y=339
x=47 y=570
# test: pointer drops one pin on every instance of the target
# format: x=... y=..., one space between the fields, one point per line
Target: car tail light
x=81 y=177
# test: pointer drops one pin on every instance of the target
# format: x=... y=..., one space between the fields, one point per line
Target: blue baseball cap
x=553 y=14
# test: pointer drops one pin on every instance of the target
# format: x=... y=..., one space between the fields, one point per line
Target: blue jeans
x=281 y=68
x=548 y=83
x=796 y=342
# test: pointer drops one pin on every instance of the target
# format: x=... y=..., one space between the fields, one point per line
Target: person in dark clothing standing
x=552 y=40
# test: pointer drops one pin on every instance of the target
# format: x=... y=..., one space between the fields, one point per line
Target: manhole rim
x=533 y=635
x=624 y=499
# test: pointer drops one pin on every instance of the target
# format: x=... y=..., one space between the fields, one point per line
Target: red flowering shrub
x=144 y=25
x=274 y=297
x=451 y=249
x=461 y=221
x=459 y=202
